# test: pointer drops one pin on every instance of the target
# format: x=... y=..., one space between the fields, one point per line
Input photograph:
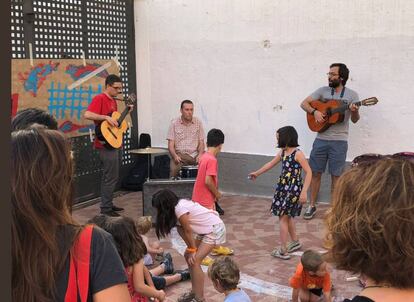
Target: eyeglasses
x=331 y=74
x=371 y=158
x=117 y=88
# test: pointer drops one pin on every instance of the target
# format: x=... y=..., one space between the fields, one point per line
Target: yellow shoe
x=222 y=250
x=207 y=261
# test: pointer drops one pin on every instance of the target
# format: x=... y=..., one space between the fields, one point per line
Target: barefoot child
x=291 y=192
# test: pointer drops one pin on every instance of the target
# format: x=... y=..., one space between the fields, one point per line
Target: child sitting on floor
x=311 y=279
x=132 y=249
x=154 y=250
x=225 y=275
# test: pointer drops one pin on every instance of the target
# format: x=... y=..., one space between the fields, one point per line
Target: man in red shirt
x=99 y=110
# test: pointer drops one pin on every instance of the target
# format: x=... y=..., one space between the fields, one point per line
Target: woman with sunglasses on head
x=370 y=228
x=53 y=257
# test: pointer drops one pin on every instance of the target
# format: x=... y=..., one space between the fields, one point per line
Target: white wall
x=247 y=65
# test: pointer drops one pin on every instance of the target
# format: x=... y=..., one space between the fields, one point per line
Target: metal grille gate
x=62 y=29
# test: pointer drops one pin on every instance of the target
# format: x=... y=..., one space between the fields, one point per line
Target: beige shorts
x=218 y=236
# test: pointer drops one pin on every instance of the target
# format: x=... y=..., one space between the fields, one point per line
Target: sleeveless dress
x=135 y=297
x=288 y=188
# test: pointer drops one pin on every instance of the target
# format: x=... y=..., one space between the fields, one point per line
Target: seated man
x=185 y=139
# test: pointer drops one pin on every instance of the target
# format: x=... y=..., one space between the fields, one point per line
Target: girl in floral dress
x=291 y=191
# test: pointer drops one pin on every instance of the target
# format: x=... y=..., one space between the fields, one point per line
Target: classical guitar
x=334 y=111
x=112 y=136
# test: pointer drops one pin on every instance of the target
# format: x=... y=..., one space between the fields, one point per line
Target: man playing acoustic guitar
x=330 y=145
x=99 y=110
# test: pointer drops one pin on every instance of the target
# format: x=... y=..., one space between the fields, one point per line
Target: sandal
x=279 y=254
x=221 y=250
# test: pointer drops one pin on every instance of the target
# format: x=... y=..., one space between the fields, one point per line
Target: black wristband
x=313 y=111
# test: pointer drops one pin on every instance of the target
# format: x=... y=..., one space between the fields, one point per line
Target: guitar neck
x=123 y=115
x=343 y=108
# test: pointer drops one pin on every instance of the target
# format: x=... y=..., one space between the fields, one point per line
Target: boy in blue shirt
x=225 y=275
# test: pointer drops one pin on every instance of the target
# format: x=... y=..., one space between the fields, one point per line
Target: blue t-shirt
x=238 y=296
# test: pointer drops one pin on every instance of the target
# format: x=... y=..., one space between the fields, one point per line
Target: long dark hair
x=128 y=242
x=165 y=201
x=41 y=201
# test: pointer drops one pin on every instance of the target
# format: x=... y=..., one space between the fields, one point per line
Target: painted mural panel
x=59 y=87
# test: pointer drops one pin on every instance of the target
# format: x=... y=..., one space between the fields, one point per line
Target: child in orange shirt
x=311 y=279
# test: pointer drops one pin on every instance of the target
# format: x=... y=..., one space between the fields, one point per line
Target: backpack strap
x=79 y=267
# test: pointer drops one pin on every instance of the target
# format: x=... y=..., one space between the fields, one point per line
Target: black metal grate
x=62 y=29
x=17 y=30
x=57 y=29
x=106 y=23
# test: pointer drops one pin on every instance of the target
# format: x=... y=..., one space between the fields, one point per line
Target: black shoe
x=219 y=209
x=117 y=209
x=168 y=263
x=111 y=213
x=185 y=274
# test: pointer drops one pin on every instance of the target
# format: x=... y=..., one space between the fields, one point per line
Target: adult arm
x=107 y=275
x=117 y=292
x=171 y=149
x=200 y=149
x=201 y=145
x=89 y=115
x=306 y=106
x=354 y=113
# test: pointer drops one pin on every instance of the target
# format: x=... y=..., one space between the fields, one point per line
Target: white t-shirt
x=201 y=219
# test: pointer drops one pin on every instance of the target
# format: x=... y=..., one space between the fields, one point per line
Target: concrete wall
x=234 y=168
x=248 y=64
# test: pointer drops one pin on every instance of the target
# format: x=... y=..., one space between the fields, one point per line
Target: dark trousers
x=110 y=175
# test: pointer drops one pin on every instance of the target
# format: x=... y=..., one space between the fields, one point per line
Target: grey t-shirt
x=338 y=131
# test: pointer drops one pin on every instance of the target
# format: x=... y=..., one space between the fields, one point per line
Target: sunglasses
x=371 y=158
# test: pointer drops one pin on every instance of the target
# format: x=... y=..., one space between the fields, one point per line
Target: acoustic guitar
x=111 y=136
x=334 y=111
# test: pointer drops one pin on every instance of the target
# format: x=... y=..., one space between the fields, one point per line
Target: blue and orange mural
x=45 y=86
x=33 y=79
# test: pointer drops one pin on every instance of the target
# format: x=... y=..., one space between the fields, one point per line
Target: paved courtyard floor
x=253 y=233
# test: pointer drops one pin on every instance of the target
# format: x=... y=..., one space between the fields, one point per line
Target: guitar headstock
x=369 y=101
x=130 y=99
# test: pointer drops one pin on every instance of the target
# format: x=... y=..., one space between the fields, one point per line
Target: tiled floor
x=252 y=232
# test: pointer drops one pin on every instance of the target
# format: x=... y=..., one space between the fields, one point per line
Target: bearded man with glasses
x=331 y=145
